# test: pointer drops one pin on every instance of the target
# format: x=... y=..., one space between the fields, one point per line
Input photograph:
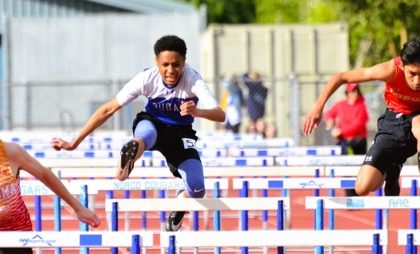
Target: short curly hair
x=170 y=43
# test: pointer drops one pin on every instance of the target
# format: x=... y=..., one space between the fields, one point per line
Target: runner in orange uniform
x=14 y=215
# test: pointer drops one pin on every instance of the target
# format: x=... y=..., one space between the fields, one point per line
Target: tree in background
x=227 y=11
x=377 y=28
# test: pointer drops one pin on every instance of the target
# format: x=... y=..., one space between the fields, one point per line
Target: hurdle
x=407 y=182
x=88 y=150
x=407 y=170
x=342 y=160
x=409 y=238
x=286 y=151
x=368 y=202
x=191 y=204
x=272 y=238
x=296 y=183
x=300 y=183
x=205 y=204
x=142 y=184
x=245 y=143
x=105 y=168
x=77 y=239
x=196 y=204
x=139 y=172
x=37 y=188
x=226 y=162
x=109 y=158
x=150 y=162
x=255 y=238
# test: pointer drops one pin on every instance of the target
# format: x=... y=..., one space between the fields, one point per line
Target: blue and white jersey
x=164 y=101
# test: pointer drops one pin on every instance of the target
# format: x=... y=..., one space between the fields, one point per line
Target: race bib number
x=188 y=143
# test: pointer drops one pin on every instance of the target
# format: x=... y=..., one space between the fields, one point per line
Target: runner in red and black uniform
x=398 y=135
x=14 y=215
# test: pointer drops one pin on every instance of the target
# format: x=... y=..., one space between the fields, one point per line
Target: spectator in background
x=260 y=127
x=257 y=95
x=347 y=122
x=270 y=131
x=232 y=102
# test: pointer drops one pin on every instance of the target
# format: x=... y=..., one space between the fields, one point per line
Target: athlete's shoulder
x=397 y=60
x=150 y=73
x=190 y=72
x=148 y=76
x=12 y=149
x=396 y=76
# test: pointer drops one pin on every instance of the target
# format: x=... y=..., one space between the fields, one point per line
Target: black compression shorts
x=393 y=143
x=176 y=143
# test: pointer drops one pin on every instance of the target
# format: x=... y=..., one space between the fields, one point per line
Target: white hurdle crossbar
x=369 y=202
x=295 y=183
x=402 y=236
x=146 y=184
x=34 y=187
x=287 y=151
x=255 y=238
x=267 y=238
x=193 y=204
x=52 y=239
x=138 y=172
x=408 y=170
x=406 y=182
x=342 y=160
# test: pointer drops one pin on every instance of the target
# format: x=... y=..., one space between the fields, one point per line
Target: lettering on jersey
x=188 y=143
x=168 y=107
x=8 y=190
x=405 y=97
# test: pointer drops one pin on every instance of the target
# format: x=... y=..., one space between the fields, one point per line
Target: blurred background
x=61 y=59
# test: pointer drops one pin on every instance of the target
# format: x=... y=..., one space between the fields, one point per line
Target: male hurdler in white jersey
x=164 y=101
x=172 y=89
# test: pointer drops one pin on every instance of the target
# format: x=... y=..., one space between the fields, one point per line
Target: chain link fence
x=67 y=106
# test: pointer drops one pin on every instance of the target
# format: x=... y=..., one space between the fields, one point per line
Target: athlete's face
x=170 y=64
x=412 y=75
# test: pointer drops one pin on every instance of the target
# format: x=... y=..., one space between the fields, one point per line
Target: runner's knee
x=197 y=191
x=415 y=127
x=146 y=132
x=191 y=172
x=368 y=180
x=362 y=190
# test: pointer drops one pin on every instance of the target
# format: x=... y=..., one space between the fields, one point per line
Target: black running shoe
x=175 y=220
x=176 y=217
x=127 y=158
